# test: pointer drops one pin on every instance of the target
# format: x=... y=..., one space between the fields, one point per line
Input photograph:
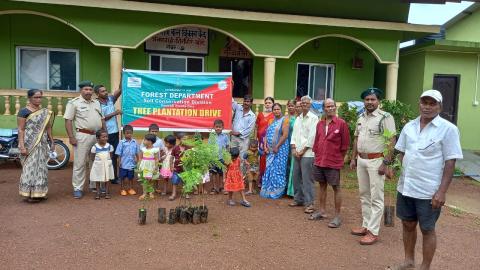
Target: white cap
x=435 y=94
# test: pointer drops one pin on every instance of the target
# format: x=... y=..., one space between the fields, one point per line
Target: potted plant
x=148 y=188
x=196 y=163
x=393 y=173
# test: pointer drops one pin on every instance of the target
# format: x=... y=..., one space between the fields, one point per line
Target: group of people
x=279 y=153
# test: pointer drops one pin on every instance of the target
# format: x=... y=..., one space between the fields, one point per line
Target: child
x=167 y=164
x=234 y=179
x=154 y=129
x=221 y=139
x=252 y=161
x=127 y=152
x=177 y=153
x=149 y=162
x=102 y=168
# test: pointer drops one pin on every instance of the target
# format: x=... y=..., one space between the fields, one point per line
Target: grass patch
x=456 y=212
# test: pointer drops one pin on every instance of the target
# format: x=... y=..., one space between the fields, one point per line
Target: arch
x=29 y=12
x=198 y=25
x=372 y=51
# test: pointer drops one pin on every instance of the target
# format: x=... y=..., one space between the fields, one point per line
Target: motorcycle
x=57 y=159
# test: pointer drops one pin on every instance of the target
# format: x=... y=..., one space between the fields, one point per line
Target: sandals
x=245 y=203
x=97 y=196
x=335 y=223
x=317 y=216
x=107 y=196
x=309 y=209
x=248 y=193
x=230 y=203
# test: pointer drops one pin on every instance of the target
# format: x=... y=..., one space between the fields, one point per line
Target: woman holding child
x=276 y=147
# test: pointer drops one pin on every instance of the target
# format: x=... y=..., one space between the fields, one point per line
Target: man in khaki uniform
x=86 y=115
x=368 y=157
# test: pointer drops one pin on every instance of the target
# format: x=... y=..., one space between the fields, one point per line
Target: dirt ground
x=63 y=233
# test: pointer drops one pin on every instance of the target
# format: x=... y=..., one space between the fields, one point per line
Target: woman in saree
x=294 y=109
x=264 y=119
x=277 y=148
x=34 y=126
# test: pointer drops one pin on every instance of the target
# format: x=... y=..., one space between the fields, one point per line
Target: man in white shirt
x=429 y=147
x=303 y=136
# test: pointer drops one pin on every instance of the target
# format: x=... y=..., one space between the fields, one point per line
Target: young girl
x=167 y=164
x=149 y=162
x=234 y=179
x=102 y=168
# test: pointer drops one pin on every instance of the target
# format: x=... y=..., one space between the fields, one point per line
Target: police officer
x=86 y=115
x=368 y=157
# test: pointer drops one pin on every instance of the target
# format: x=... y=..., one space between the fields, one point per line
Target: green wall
x=464 y=65
x=411 y=77
x=122 y=28
x=466 y=29
x=340 y=52
x=18 y=30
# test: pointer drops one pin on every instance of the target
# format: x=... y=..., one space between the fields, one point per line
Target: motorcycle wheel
x=59 y=157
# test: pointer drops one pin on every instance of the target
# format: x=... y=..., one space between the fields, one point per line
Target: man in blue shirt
x=107 y=102
x=243 y=123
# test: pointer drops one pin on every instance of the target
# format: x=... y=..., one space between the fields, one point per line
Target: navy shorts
x=216 y=170
x=176 y=180
x=126 y=173
x=411 y=209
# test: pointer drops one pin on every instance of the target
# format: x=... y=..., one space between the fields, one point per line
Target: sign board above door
x=185 y=40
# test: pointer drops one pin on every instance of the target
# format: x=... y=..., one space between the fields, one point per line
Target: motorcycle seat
x=8 y=132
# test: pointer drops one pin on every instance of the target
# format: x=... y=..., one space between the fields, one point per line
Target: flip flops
x=245 y=203
x=335 y=223
x=317 y=216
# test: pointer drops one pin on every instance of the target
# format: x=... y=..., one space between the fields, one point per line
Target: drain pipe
x=475 y=101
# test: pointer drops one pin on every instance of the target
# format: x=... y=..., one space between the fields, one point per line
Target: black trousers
x=114 y=139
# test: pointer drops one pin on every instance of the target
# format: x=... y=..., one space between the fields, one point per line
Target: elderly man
x=368 y=157
x=243 y=123
x=302 y=140
x=429 y=147
x=86 y=114
x=332 y=140
x=107 y=102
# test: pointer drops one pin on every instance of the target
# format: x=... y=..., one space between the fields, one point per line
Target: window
x=315 y=80
x=177 y=63
x=47 y=68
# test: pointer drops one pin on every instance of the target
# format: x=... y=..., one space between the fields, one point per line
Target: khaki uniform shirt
x=369 y=131
x=84 y=114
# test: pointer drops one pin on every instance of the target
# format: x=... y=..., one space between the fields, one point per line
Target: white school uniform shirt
x=303 y=133
x=425 y=154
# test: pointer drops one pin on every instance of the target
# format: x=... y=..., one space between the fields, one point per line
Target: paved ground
x=63 y=233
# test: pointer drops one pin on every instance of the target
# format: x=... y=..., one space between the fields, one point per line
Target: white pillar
x=269 y=77
x=392 y=81
x=116 y=60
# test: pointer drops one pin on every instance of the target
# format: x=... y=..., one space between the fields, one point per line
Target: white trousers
x=371 y=186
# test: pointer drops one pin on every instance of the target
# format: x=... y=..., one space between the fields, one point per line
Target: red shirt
x=330 y=148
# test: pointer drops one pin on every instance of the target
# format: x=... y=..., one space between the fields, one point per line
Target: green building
x=274 y=48
x=449 y=62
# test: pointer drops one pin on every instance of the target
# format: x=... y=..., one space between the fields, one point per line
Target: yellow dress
x=102 y=168
x=148 y=165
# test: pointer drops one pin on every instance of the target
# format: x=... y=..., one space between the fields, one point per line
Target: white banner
x=184 y=40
